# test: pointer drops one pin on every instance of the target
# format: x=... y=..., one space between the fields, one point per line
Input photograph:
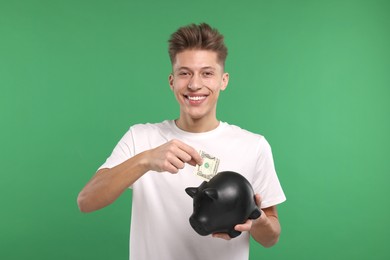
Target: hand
x=172 y=156
x=241 y=227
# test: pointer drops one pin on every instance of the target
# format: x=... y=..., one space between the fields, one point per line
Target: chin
x=189 y=113
x=195 y=118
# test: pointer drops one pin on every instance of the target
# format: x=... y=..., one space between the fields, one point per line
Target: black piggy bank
x=223 y=202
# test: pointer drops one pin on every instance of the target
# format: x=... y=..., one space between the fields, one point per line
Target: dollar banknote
x=209 y=168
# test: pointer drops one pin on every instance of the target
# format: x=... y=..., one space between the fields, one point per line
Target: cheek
x=179 y=84
x=214 y=85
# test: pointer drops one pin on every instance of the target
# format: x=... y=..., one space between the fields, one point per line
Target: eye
x=184 y=73
x=208 y=73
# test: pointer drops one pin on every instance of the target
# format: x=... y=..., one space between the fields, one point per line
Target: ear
x=170 y=80
x=225 y=80
x=211 y=193
x=191 y=191
x=255 y=214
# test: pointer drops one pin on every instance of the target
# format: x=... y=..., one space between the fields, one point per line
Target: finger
x=182 y=155
x=258 y=200
x=176 y=162
x=221 y=235
x=185 y=157
x=244 y=227
x=193 y=162
x=195 y=157
x=167 y=166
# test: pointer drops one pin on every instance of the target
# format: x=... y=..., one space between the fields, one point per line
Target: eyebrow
x=187 y=68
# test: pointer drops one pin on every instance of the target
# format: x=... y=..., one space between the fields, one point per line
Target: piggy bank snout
x=198 y=224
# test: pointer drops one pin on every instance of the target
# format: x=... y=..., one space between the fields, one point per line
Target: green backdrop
x=311 y=76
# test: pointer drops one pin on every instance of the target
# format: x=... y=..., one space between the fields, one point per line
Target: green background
x=311 y=76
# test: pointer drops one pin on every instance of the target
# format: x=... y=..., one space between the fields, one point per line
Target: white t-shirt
x=160 y=227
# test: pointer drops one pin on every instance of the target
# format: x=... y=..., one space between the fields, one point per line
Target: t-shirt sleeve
x=266 y=181
x=122 y=151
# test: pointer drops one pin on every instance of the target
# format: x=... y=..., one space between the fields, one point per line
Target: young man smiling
x=197 y=78
x=157 y=161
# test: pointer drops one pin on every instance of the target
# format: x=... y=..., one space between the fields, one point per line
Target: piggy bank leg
x=255 y=214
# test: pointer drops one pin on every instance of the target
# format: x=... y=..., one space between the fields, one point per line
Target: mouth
x=195 y=99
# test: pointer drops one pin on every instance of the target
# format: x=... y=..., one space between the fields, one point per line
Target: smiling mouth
x=195 y=98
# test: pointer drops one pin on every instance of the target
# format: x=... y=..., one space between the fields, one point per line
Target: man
x=157 y=161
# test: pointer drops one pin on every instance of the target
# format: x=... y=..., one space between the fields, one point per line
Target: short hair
x=197 y=37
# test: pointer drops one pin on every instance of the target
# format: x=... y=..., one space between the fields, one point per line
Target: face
x=196 y=81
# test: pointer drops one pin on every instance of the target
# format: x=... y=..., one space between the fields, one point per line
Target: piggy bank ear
x=211 y=193
x=191 y=191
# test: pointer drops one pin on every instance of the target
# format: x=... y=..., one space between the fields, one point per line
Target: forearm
x=108 y=184
x=266 y=229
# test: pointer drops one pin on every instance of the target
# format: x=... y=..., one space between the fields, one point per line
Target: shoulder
x=239 y=132
x=249 y=138
x=147 y=135
x=150 y=127
x=151 y=132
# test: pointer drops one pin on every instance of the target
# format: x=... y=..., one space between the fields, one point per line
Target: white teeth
x=196 y=98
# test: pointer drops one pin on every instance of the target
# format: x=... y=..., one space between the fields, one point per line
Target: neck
x=196 y=125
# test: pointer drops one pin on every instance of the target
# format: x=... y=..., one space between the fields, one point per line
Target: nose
x=195 y=83
x=198 y=226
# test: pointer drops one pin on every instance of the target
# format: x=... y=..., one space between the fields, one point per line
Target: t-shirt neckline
x=181 y=132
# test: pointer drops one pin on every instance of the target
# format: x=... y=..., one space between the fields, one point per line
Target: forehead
x=196 y=59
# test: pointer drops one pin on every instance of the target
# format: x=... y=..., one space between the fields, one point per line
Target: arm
x=108 y=184
x=265 y=230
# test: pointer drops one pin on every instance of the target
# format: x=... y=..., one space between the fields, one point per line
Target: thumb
x=258 y=200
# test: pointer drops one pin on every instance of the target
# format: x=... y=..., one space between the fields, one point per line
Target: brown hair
x=197 y=37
